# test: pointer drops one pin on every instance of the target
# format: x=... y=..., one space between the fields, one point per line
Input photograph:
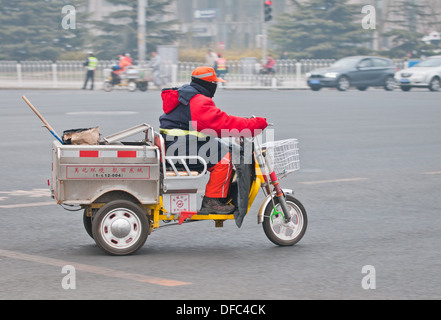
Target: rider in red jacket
x=192 y=123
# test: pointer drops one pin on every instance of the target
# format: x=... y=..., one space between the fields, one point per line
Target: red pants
x=220 y=177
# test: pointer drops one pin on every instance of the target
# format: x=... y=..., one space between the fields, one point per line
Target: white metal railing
x=241 y=73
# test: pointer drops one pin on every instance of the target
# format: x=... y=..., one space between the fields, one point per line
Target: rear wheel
x=87 y=222
x=143 y=86
x=131 y=86
x=389 y=84
x=275 y=227
x=120 y=227
x=405 y=88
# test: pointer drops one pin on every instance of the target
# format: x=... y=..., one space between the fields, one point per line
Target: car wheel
x=405 y=88
x=435 y=84
x=389 y=84
x=363 y=88
x=343 y=84
x=315 y=88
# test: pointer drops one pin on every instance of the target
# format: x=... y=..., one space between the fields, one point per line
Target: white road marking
x=102 y=271
x=24 y=205
x=100 y=113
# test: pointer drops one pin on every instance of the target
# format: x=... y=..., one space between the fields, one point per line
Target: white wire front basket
x=284 y=156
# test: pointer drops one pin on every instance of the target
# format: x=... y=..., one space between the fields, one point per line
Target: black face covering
x=208 y=86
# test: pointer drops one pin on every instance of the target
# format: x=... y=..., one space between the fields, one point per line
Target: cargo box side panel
x=81 y=174
x=86 y=192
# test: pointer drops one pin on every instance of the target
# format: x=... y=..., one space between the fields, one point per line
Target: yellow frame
x=158 y=210
x=158 y=213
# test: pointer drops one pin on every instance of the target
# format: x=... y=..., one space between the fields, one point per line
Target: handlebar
x=270 y=124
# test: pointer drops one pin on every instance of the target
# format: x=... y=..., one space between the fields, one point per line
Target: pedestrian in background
x=210 y=58
x=155 y=64
x=220 y=66
x=284 y=55
x=91 y=64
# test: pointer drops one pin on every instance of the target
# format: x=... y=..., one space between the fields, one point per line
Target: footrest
x=203 y=216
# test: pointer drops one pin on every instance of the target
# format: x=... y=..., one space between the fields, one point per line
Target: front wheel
x=107 y=86
x=343 y=84
x=275 y=227
x=315 y=87
x=435 y=84
x=120 y=227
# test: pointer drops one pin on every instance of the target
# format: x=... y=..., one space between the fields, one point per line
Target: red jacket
x=188 y=106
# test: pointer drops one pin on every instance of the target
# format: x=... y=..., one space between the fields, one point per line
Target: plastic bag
x=89 y=136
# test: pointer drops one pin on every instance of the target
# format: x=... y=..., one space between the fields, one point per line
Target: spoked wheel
x=280 y=232
x=120 y=227
x=107 y=86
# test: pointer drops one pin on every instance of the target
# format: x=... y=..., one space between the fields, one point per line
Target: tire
x=131 y=86
x=143 y=86
x=87 y=222
x=435 y=84
x=315 y=88
x=389 y=84
x=277 y=230
x=405 y=88
x=363 y=88
x=120 y=227
x=343 y=83
x=107 y=86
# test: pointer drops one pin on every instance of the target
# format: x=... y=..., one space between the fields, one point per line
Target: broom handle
x=46 y=124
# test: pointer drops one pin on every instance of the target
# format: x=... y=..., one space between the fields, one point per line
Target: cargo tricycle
x=129 y=189
x=132 y=78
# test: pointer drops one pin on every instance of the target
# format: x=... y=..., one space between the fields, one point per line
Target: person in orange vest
x=221 y=67
x=128 y=58
x=268 y=67
x=121 y=67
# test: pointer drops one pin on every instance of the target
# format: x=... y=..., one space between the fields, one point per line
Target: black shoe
x=216 y=206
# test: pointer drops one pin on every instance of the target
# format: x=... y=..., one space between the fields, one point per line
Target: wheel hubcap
x=120 y=228
x=344 y=84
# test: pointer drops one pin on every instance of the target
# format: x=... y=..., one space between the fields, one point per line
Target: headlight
x=419 y=76
x=331 y=75
x=308 y=74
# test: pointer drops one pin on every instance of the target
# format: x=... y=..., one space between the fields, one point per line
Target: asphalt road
x=370 y=180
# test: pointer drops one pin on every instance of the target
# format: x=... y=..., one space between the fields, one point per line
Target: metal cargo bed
x=83 y=173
